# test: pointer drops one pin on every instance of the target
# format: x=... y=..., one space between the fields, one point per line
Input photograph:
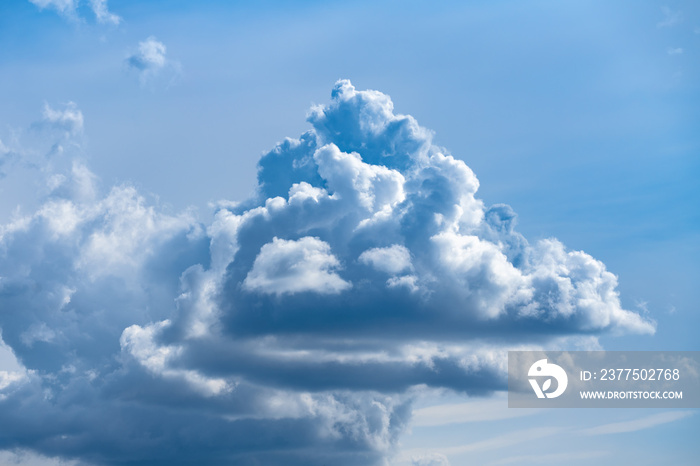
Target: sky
x=275 y=233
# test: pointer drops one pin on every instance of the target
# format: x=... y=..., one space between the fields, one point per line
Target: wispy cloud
x=69 y=119
x=69 y=9
x=475 y=411
x=674 y=51
x=638 y=424
x=5 y=156
x=62 y=126
x=430 y=459
x=494 y=443
x=551 y=458
x=151 y=63
x=671 y=17
x=102 y=13
x=64 y=7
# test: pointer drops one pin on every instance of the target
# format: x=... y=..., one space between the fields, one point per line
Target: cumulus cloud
x=151 y=63
x=297 y=327
x=295 y=266
x=392 y=260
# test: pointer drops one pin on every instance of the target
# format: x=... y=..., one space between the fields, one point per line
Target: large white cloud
x=297 y=326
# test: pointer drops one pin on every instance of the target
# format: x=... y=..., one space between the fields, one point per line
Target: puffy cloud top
x=392 y=260
x=295 y=328
x=295 y=266
x=382 y=196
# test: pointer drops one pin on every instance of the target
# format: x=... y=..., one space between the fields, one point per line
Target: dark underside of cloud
x=294 y=329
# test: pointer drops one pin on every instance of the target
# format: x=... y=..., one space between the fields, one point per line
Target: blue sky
x=142 y=247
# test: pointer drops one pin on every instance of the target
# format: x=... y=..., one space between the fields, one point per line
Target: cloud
x=297 y=326
x=295 y=266
x=638 y=424
x=392 y=260
x=61 y=128
x=65 y=7
x=6 y=156
x=498 y=442
x=483 y=410
x=29 y=458
x=671 y=17
x=68 y=8
x=151 y=63
x=506 y=440
x=50 y=142
x=553 y=458
x=102 y=13
x=151 y=55
x=674 y=51
x=430 y=459
x=139 y=343
x=69 y=120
